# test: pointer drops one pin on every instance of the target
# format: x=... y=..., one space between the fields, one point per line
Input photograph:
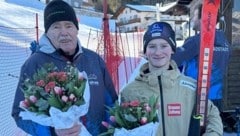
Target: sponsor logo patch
x=188 y=84
x=174 y=109
x=92 y=79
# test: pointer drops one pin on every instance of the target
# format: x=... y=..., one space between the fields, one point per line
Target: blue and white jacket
x=101 y=86
x=187 y=57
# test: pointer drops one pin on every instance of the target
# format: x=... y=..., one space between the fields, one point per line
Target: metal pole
x=238 y=120
x=37 y=33
x=105 y=21
x=189 y=24
x=157 y=11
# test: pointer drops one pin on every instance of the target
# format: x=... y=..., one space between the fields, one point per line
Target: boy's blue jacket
x=187 y=58
x=101 y=86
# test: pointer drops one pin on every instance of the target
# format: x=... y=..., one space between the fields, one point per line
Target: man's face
x=63 y=35
x=196 y=21
x=158 y=53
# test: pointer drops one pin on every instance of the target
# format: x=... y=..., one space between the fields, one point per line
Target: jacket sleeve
x=188 y=51
x=34 y=129
x=214 y=126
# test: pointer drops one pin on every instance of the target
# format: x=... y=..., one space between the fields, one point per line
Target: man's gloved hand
x=34 y=46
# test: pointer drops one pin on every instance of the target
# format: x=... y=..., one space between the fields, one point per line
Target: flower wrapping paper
x=149 y=129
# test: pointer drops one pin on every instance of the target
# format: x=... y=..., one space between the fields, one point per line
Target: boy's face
x=63 y=35
x=158 y=53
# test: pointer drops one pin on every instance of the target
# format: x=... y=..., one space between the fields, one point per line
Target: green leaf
x=43 y=112
x=67 y=106
x=152 y=103
x=108 y=133
x=79 y=102
x=139 y=113
x=119 y=119
x=54 y=101
x=43 y=93
x=42 y=104
x=70 y=87
x=32 y=109
x=79 y=91
x=130 y=118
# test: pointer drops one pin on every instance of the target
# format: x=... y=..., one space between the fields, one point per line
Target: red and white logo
x=174 y=109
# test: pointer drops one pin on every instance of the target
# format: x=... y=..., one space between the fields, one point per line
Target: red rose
x=62 y=76
x=50 y=86
x=134 y=103
x=40 y=83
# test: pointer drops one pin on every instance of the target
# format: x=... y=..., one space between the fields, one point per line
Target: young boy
x=177 y=93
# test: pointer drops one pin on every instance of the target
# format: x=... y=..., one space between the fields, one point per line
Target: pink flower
x=64 y=98
x=58 y=90
x=105 y=124
x=33 y=99
x=24 y=103
x=143 y=120
x=148 y=108
x=112 y=118
x=72 y=97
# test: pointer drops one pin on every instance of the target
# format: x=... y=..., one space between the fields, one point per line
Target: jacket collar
x=168 y=76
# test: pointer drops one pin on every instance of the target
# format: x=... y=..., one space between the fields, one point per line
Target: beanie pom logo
x=156 y=28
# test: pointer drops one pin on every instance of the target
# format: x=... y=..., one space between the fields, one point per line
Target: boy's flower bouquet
x=56 y=98
x=133 y=118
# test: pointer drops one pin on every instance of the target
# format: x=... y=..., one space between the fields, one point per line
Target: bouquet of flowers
x=133 y=118
x=56 y=98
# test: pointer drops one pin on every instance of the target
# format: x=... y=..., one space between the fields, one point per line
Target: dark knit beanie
x=58 y=10
x=159 y=30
